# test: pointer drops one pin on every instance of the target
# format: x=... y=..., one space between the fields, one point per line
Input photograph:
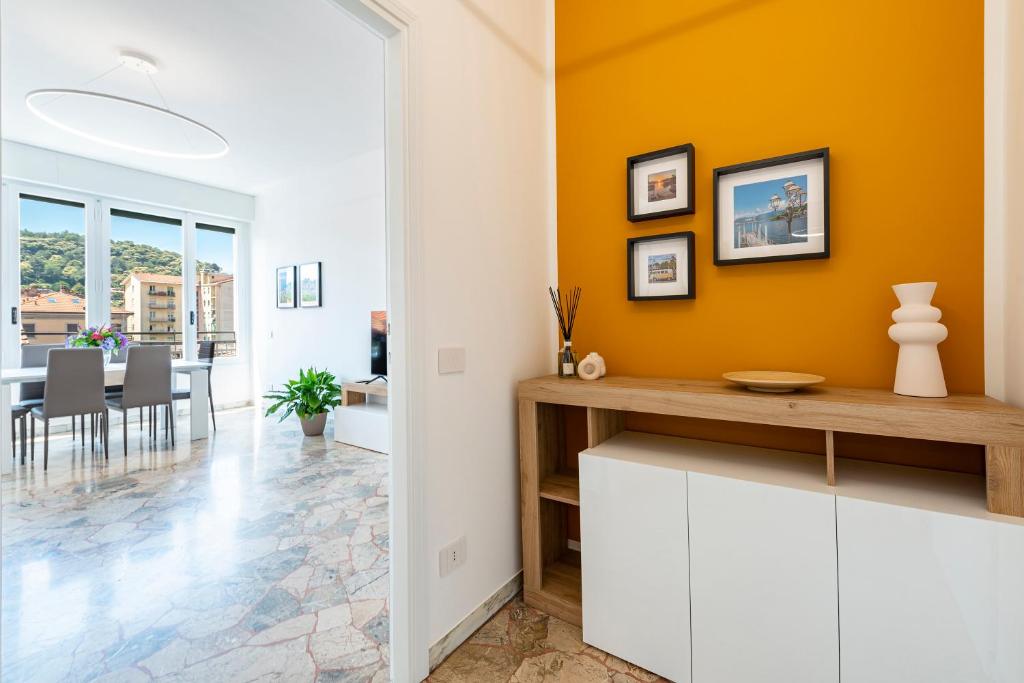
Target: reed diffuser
x=565 y=309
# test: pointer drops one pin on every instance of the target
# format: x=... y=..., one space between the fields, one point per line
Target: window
x=52 y=241
x=73 y=328
x=145 y=271
x=215 y=287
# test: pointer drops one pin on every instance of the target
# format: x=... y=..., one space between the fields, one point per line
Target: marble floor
x=254 y=555
x=523 y=645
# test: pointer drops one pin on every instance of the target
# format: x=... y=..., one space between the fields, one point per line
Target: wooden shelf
x=960 y=418
x=561 y=592
x=564 y=488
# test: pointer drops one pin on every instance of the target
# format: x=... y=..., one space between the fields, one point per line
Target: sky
x=214 y=247
x=753 y=199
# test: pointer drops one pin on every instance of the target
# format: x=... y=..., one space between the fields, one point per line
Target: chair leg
x=209 y=393
x=170 y=417
x=14 y=440
x=24 y=445
x=32 y=419
x=141 y=421
x=124 y=432
x=92 y=430
x=166 y=421
x=106 y=431
x=82 y=430
x=46 y=443
x=73 y=428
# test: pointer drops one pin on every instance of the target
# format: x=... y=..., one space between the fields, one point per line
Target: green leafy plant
x=314 y=392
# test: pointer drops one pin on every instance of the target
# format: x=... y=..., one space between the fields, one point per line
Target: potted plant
x=103 y=336
x=310 y=397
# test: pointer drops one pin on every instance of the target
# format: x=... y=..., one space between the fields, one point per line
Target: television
x=379 y=343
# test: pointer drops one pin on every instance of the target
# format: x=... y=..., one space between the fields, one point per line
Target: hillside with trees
x=56 y=260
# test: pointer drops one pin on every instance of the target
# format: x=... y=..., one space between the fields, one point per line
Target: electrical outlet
x=452 y=556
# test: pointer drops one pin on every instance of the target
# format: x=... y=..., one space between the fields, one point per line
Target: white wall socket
x=452 y=555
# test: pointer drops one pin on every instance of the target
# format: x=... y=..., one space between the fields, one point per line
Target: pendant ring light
x=198 y=141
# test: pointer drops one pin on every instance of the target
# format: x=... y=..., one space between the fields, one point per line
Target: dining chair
x=74 y=386
x=207 y=351
x=30 y=394
x=147 y=383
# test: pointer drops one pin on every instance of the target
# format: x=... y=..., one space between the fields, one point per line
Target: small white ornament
x=591 y=367
x=918 y=332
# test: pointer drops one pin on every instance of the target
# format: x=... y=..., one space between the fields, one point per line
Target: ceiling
x=292 y=85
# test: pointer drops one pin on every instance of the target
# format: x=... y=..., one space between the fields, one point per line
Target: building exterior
x=215 y=302
x=152 y=302
x=49 y=317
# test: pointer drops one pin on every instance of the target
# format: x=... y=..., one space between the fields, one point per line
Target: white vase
x=918 y=332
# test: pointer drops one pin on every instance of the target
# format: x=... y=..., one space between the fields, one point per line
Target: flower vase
x=567 y=361
x=107 y=355
x=918 y=331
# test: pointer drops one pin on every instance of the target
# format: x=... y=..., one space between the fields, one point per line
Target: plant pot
x=314 y=426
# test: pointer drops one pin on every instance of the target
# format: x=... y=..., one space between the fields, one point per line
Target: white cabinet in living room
x=764 y=602
x=929 y=597
x=635 y=567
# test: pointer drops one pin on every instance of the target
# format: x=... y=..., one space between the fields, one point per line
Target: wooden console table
x=353 y=393
x=552 y=579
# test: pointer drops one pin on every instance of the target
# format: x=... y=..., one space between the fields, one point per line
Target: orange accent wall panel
x=894 y=89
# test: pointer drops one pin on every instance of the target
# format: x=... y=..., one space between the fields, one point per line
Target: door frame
x=409 y=603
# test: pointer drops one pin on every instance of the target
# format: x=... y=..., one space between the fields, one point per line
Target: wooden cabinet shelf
x=563 y=488
x=561 y=590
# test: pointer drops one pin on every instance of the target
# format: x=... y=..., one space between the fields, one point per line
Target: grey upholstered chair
x=30 y=394
x=74 y=386
x=207 y=351
x=147 y=383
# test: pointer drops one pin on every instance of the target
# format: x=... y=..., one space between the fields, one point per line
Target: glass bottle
x=567 y=360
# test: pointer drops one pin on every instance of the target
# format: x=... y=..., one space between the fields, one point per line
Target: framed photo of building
x=660 y=184
x=310 y=290
x=286 y=287
x=660 y=267
x=772 y=210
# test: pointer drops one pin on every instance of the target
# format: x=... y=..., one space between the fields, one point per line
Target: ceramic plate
x=772 y=381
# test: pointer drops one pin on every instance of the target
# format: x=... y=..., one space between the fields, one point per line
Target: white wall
x=483 y=184
x=1004 y=203
x=335 y=216
x=70 y=172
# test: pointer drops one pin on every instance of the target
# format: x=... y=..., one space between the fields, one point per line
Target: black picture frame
x=691 y=260
x=277 y=286
x=821 y=153
x=299 y=294
x=632 y=162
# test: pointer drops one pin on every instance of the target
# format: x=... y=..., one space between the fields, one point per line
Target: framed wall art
x=286 y=287
x=660 y=184
x=660 y=267
x=772 y=210
x=310 y=289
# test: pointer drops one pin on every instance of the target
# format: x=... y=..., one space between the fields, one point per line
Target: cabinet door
x=633 y=543
x=928 y=597
x=762 y=583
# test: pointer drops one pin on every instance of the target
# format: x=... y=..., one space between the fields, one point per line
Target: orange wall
x=893 y=88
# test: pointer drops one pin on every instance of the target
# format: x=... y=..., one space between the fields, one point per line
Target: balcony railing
x=227 y=342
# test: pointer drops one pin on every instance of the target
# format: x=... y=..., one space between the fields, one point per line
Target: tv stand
x=362 y=418
x=371 y=381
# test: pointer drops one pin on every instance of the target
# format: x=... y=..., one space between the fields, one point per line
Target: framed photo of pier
x=660 y=267
x=660 y=184
x=772 y=210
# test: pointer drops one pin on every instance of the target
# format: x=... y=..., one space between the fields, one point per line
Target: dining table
x=113 y=375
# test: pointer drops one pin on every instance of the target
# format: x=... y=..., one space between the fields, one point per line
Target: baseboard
x=440 y=650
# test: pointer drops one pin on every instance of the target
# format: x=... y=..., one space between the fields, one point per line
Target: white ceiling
x=292 y=84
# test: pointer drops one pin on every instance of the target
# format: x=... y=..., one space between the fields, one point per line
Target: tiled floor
x=255 y=555
x=521 y=645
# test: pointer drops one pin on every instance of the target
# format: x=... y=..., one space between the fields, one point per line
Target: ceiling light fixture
x=103 y=118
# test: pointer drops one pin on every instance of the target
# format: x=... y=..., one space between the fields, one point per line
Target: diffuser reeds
x=565 y=309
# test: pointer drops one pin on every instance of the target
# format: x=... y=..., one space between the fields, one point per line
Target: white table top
x=18 y=375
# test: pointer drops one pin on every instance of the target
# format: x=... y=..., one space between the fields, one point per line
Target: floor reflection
x=194 y=563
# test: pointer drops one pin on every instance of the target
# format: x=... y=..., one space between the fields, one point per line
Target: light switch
x=451 y=359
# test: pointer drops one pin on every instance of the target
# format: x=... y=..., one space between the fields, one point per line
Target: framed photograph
x=286 y=287
x=660 y=184
x=309 y=285
x=772 y=210
x=660 y=267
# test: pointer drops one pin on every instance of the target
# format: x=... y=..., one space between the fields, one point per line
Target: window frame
x=97 y=263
